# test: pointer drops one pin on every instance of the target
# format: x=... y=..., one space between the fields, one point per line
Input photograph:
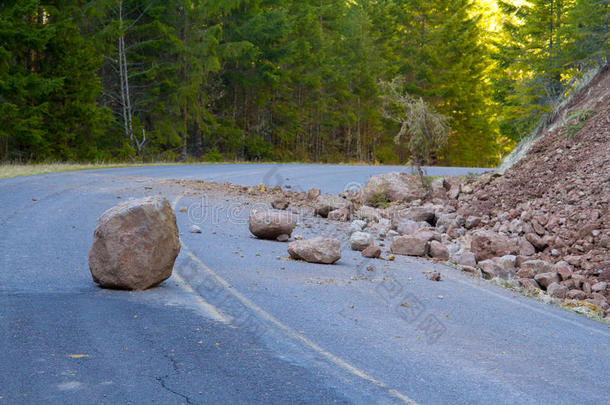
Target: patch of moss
x=578 y=120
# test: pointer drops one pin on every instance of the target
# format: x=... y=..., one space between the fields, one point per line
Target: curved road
x=237 y=323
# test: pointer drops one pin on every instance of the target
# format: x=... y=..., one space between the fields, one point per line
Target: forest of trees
x=286 y=80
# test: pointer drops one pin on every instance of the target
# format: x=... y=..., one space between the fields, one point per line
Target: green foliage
x=576 y=121
x=213 y=156
x=379 y=200
x=424 y=130
x=288 y=80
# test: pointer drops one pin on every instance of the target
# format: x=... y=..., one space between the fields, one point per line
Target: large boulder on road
x=317 y=250
x=135 y=244
x=270 y=224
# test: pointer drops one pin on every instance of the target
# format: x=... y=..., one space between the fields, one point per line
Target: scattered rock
x=341 y=214
x=360 y=240
x=531 y=268
x=472 y=222
x=489 y=269
x=368 y=214
x=313 y=194
x=135 y=244
x=428 y=234
x=528 y=283
x=488 y=244
x=327 y=203
x=280 y=203
x=599 y=287
x=526 y=248
x=508 y=268
x=576 y=294
x=538 y=242
x=194 y=229
x=417 y=214
x=556 y=290
x=409 y=246
x=283 y=238
x=563 y=269
x=434 y=276
x=438 y=251
x=452 y=185
x=409 y=227
x=372 y=252
x=356 y=226
x=464 y=258
x=317 y=250
x=546 y=279
x=271 y=224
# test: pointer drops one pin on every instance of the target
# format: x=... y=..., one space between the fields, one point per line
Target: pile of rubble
x=543 y=226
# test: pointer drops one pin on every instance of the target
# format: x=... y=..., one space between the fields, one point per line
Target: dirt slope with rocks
x=542 y=228
x=557 y=198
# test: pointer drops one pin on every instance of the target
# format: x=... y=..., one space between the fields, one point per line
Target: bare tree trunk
x=183 y=150
x=606 y=33
x=125 y=92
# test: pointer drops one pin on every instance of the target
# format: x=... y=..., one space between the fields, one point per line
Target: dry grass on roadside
x=15 y=169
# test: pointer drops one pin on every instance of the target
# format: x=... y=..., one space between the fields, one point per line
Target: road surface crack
x=162 y=382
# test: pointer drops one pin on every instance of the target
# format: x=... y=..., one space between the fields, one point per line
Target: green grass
x=578 y=120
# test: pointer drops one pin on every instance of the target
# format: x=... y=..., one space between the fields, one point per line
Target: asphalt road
x=237 y=323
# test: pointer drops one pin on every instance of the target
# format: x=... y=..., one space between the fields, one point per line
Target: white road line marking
x=286 y=329
x=212 y=312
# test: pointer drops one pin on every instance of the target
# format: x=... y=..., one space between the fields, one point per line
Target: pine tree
x=48 y=83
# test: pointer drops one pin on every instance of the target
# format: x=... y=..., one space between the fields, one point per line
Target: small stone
x=438 y=251
x=563 y=269
x=526 y=248
x=528 y=283
x=182 y=209
x=280 y=203
x=313 y=193
x=488 y=244
x=465 y=258
x=271 y=224
x=283 y=238
x=472 y=222
x=372 y=252
x=576 y=295
x=341 y=214
x=327 y=203
x=546 y=279
x=360 y=240
x=599 y=287
x=317 y=250
x=435 y=276
x=489 y=269
x=194 y=229
x=530 y=268
x=356 y=226
x=409 y=227
x=409 y=246
x=556 y=290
